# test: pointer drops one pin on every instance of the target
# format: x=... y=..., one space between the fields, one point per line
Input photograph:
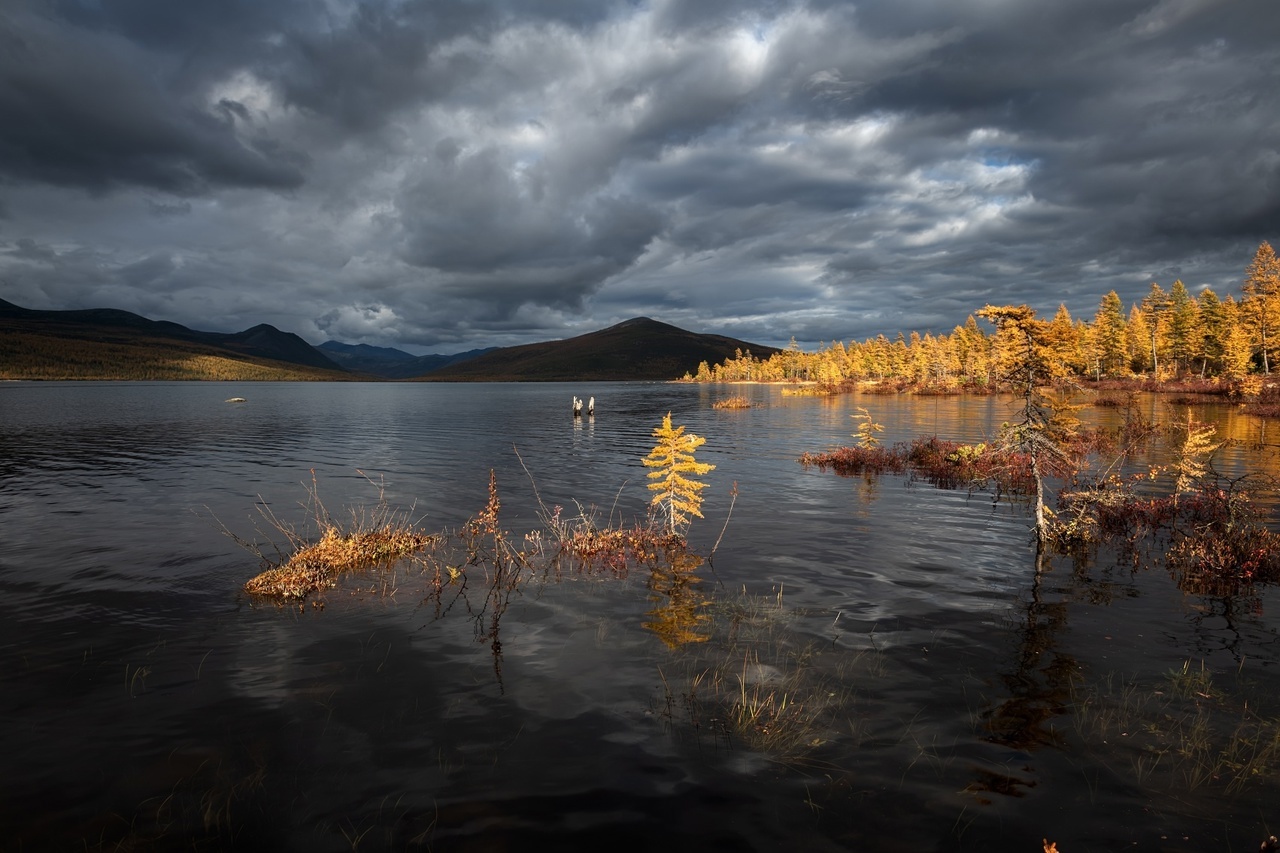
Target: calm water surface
x=147 y=704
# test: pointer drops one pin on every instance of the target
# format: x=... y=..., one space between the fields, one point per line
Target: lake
x=914 y=684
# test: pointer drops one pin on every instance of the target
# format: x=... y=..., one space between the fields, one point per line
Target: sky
x=441 y=175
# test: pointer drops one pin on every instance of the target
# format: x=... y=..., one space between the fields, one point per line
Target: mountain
x=388 y=362
x=107 y=343
x=635 y=349
x=109 y=327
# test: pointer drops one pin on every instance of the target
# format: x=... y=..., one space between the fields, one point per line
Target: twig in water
x=733 y=499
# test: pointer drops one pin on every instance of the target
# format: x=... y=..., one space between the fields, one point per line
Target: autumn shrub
x=945 y=464
x=978 y=386
x=1213 y=539
x=1185 y=385
x=895 y=385
x=858 y=460
x=583 y=545
x=938 y=389
x=954 y=465
x=1267 y=402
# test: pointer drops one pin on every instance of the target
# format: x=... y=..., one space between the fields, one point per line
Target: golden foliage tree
x=1261 y=303
x=1156 y=306
x=1192 y=463
x=1027 y=363
x=1237 y=347
x=679 y=496
x=1186 y=332
x=1110 y=355
x=867 y=429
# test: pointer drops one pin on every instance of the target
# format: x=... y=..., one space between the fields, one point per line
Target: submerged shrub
x=316 y=566
x=323 y=550
x=859 y=460
x=732 y=403
x=945 y=464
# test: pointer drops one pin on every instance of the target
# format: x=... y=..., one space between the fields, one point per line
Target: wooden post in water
x=577 y=407
x=591 y=407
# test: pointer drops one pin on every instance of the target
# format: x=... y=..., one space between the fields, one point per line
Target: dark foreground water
x=921 y=689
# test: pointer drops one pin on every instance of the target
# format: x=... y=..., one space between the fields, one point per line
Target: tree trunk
x=1042 y=524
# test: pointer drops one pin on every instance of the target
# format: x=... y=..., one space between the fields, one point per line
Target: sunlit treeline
x=1169 y=333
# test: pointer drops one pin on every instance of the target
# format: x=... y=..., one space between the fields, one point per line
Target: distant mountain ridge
x=640 y=348
x=391 y=363
x=112 y=324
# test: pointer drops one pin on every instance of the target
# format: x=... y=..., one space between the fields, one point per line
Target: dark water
x=947 y=699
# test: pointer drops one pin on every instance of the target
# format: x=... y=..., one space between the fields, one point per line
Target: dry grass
x=813 y=391
x=1182 y=734
x=732 y=403
x=749 y=682
x=319 y=553
x=316 y=566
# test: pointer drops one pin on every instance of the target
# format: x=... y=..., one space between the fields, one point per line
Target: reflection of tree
x=870 y=490
x=1040 y=683
x=1225 y=609
x=680 y=616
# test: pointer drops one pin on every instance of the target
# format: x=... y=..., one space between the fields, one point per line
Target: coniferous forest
x=1171 y=333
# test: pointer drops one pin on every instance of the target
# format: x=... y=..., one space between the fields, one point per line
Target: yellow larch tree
x=1110 y=355
x=1260 y=305
x=1237 y=345
x=1026 y=362
x=679 y=496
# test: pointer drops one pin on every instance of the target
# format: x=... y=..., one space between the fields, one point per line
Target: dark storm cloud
x=444 y=174
x=87 y=110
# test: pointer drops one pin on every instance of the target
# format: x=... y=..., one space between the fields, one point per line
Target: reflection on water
x=918 y=686
x=680 y=616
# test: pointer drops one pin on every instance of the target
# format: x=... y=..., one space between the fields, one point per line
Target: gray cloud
x=444 y=175
x=87 y=109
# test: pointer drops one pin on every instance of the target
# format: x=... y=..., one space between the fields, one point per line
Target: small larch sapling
x=678 y=494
